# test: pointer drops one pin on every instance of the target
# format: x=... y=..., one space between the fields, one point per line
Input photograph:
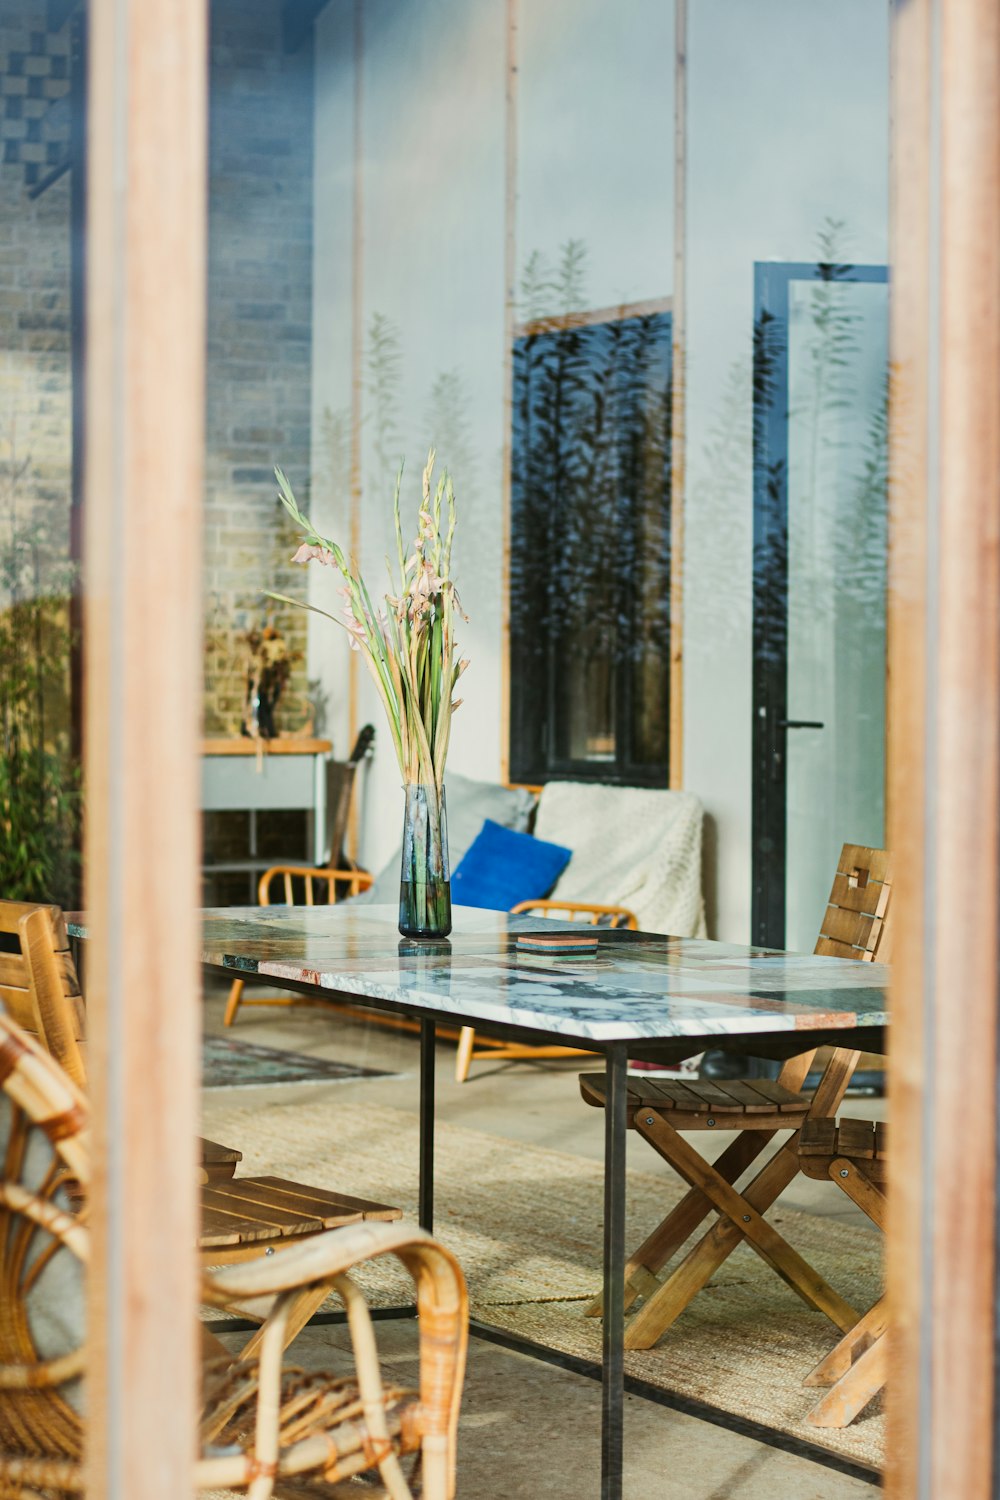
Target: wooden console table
x=244 y=775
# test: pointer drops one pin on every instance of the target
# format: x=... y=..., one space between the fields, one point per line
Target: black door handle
x=800 y=724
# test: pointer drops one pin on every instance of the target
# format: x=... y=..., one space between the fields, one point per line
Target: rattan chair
x=262 y=1421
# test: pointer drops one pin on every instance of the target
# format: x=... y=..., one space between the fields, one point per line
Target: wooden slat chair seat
x=263 y=1425
x=295 y=885
x=854 y=925
x=242 y=1216
x=698 y=1104
x=492 y=1050
x=854 y=1155
x=244 y=1210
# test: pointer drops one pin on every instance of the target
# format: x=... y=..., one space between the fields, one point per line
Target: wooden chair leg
x=668 y=1300
x=853 y=1391
x=667 y=1238
x=747 y=1218
x=642 y=1269
x=701 y=1263
x=233 y=1003
x=843 y=1355
x=463 y=1057
x=305 y=1305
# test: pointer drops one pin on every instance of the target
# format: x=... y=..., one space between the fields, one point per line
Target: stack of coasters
x=557 y=947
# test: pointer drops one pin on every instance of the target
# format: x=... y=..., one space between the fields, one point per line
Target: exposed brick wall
x=259 y=311
x=259 y=331
x=34 y=284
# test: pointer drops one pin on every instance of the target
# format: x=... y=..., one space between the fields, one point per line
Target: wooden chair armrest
x=315 y=1259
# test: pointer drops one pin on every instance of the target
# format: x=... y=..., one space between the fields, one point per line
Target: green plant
x=39 y=782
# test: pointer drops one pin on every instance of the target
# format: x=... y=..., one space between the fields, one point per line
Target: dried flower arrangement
x=268 y=669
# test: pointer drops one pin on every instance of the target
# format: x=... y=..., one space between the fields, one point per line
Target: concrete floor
x=528 y=1428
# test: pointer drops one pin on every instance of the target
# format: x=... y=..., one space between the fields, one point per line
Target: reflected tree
x=383 y=386
x=590 y=533
x=448 y=425
x=40 y=801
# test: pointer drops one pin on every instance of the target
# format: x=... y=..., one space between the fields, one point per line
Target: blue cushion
x=501 y=868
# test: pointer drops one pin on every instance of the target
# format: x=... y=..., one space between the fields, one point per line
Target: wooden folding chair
x=242 y=1217
x=854 y=926
x=492 y=1050
x=853 y=1155
x=298 y=888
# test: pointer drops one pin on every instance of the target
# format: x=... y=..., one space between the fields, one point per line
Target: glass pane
x=421 y=184
x=838 y=364
x=590 y=500
x=595 y=106
x=785 y=165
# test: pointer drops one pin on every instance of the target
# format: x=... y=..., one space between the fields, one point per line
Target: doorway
x=819 y=584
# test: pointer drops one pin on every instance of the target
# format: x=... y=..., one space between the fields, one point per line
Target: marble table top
x=636 y=987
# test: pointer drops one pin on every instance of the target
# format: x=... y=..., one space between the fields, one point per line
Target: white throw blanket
x=633 y=847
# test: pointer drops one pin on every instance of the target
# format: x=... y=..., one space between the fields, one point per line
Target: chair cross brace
x=856 y=1369
x=739 y=1214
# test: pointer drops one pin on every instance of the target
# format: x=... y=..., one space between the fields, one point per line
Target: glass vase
x=425 y=877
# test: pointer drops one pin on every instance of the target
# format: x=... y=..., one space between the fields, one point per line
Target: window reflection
x=39 y=781
x=40 y=70
x=590 y=559
x=820 y=385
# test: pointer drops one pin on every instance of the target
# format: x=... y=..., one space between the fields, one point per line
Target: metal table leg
x=613 y=1353
x=427 y=1043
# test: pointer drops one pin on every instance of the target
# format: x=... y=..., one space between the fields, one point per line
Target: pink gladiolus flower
x=307 y=552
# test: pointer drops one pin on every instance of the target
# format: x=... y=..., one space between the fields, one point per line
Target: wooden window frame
x=144 y=456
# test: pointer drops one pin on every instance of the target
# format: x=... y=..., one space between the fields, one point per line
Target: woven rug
x=525 y=1224
x=230 y=1064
